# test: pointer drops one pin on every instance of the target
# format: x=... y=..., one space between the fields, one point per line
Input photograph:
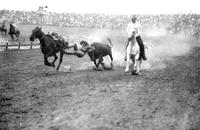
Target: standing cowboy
x=134 y=26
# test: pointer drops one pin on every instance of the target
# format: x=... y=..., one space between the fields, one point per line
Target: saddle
x=58 y=42
x=57 y=37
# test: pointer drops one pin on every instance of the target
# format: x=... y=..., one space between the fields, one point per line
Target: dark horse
x=14 y=31
x=50 y=47
x=3 y=29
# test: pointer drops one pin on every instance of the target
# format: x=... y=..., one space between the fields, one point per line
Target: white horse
x=133 y=53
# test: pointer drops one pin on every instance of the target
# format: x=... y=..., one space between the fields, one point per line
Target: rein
x=41 y=33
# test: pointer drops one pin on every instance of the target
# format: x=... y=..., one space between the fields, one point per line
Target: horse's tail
x=110 y=43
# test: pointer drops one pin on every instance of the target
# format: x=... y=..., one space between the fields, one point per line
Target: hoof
x=108 y=68
x=97 y=69
x=57 y=69
x=126 y=71
x=53 y=65
x=47 y=64
x=144 y=58
x=134 y=72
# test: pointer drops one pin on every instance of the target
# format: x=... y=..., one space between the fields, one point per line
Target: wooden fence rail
x=19 y=46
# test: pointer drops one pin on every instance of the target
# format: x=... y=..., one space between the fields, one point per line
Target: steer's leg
x=97 y=66
x=111 y=64
x=100 y=61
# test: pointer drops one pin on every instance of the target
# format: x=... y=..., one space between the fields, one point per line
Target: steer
x=96 y=51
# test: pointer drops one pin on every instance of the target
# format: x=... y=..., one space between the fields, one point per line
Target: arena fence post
x=19 y=46
x=6 y=46
x=31 y=45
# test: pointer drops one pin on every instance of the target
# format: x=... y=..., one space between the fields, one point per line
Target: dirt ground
x=36 y=97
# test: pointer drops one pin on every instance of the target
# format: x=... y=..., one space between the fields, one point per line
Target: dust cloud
x=161 y=47
x=165 y=46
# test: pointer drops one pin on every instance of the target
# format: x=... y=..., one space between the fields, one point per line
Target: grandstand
x=188 y=23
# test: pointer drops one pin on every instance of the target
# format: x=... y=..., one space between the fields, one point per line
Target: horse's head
x=36 y=33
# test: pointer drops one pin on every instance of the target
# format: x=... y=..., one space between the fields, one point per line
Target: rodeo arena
x=73 y=71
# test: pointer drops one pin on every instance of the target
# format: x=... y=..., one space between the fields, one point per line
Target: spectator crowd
x=188 y=23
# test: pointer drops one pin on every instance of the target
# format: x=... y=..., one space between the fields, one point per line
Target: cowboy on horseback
x=54 y=35
x=14 y=30
x=3 y=24
x=3 y=28
x=49 y=48
x=14 y=24
x=135 y=26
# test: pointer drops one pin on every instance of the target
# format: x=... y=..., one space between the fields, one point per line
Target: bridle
x=38 y=34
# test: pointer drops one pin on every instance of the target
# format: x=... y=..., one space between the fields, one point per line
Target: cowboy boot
x=142 y=49
x=142 y=54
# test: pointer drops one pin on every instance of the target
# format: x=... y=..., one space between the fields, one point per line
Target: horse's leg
x=139 y=62
x=46 y=62
x=55 y=58
x=135 y=67
x=127 y=63
x=95 y=63
x=61 y=59
x=53 y=62
x=17 y=36
x=12 y=36
x=133 y=59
